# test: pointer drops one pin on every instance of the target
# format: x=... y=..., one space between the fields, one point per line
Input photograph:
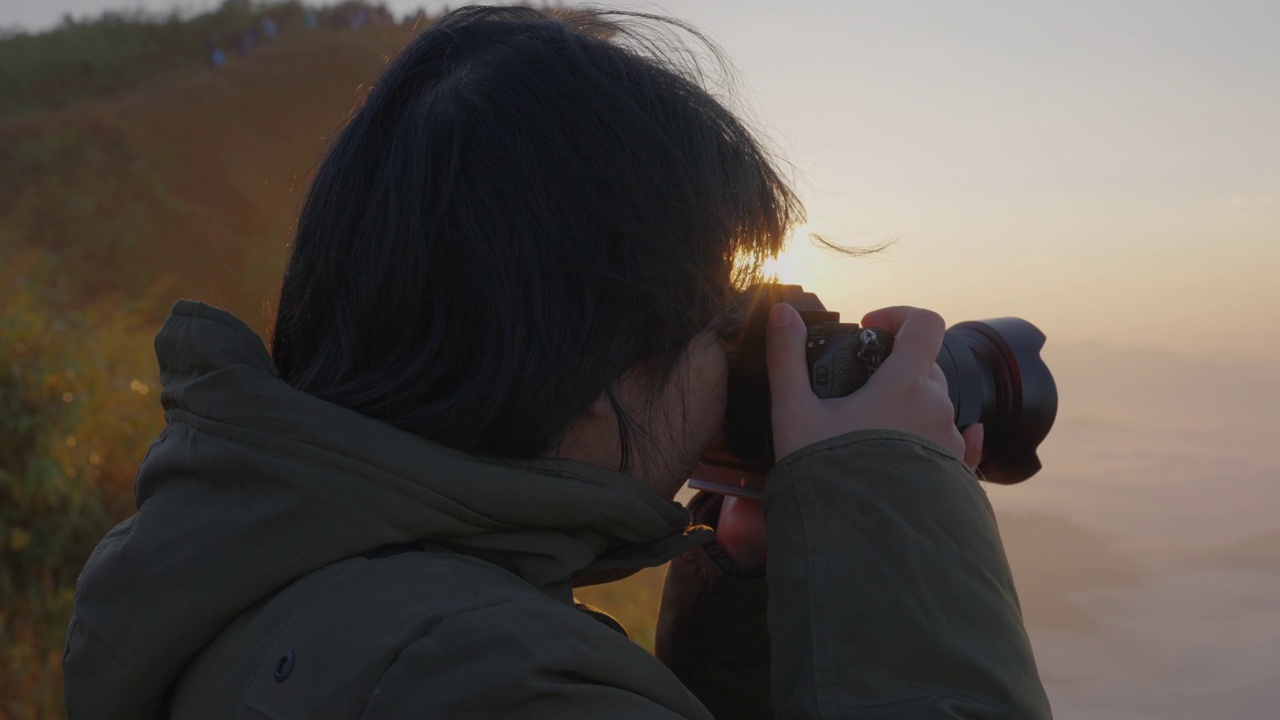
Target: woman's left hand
x=740 y=532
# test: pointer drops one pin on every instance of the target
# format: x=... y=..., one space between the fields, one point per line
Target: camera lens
x=995 y=376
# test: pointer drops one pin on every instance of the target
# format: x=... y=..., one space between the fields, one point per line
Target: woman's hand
x=740 y=531
x=908 y=393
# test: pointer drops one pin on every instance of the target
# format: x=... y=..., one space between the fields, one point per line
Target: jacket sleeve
x=889 y=591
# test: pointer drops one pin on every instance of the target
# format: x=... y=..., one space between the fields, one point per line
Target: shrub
x=78 y=405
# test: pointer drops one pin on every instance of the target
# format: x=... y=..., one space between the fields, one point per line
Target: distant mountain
x=1161 y=387
x=1165 y=450
x=1261 y=552
x=1053 y=558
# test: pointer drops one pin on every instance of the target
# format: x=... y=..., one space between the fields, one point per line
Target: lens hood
x=995 y=376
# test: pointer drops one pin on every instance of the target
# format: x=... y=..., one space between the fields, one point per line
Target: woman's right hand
x=908 y=393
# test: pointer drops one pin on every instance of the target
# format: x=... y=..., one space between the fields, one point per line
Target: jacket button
x=284 y=666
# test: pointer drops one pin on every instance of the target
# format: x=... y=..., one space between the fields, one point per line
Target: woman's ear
x=601 y=408
x=592 y=437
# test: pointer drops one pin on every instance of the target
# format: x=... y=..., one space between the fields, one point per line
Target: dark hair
x=523 y=209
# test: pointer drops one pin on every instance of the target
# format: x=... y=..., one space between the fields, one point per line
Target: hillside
x=179 y=180
x=187 y=184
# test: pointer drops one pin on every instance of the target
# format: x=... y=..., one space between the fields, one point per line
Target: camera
x=994 y=376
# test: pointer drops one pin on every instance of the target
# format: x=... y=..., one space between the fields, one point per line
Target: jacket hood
x=254 y=484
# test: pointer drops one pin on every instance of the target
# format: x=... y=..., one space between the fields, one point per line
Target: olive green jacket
x=294 y=559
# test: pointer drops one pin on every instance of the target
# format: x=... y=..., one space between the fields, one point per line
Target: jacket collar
x=551 y=520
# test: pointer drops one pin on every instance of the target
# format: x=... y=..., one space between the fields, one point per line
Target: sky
x=1108 y=170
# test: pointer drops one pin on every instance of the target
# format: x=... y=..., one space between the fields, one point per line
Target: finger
x=784 y=354
x=973 y=437
x=741 y=531
x=890 y=318
x=956 y=444
x=937 y=376
x=916 y=345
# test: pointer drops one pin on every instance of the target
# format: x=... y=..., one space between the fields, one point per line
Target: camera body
x=994 y=376
x=843 y=356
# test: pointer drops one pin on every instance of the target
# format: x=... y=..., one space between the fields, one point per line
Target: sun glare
x=788 y=267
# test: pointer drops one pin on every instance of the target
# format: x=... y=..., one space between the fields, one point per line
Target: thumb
x=785 y=356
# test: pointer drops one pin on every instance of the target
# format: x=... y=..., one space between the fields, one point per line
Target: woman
x=499 y=352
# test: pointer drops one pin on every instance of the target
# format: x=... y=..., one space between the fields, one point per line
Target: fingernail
x=780 y=315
